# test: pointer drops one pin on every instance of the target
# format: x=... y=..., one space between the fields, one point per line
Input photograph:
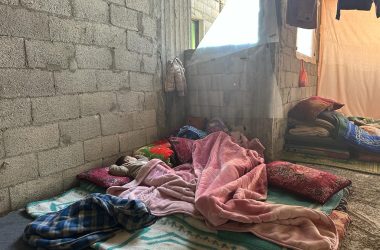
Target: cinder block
x=109 y=80
x=144 y=119
x=150 y=26
x=60 y=7
x=55 y=108
x=142 y=5
x=151 y=101
x=132 y=140
x=138 y=43
x=93 y=149
x=151 y=135
x=93 y=58
x=57 y=160
x=5 y=201
x=127 y=60
x=18 y=169
x=101 y=147
x=11 y=2
x=98 y=103
x=69 y=175
x=110 y=145
x=109 y=36
x=42 y=54
x=2 y=150
x=79 y=129
x=149 y=64
x=108 y=161
x=93 y=10
x=79 y=81
x=123 y=17
x=25 y=83
x=12 y=52
x=23 y=23
x=119 y=2
x=130 y=101
x=34 y=190
x=65 y=30
x=114 y=123
x=30 y=139
x=141 y=82
x=14 y=112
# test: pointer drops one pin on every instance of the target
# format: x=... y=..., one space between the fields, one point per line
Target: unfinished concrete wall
x=206 y=11
x=80 y=84
x=237 y=89
x=287 y=70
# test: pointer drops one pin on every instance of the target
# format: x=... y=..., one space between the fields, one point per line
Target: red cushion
x=309 y=109
x=182 y=148
x=308 y=182
x=101 y=177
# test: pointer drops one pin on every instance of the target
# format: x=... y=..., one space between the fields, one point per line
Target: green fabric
x=278 y=196
x=361 y=166
x=183 y=232
x=38 y=208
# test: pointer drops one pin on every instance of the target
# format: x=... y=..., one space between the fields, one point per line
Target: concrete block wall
x=207 y=11
x=237 y=89
x=80 y=82
x=287 y=70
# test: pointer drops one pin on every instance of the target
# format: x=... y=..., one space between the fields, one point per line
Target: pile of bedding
x=196 y=190
x=316 y=127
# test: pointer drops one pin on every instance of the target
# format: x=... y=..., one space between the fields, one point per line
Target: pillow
x=309 y=109
x=308 y=182
x=101 y=177
x=182 y=148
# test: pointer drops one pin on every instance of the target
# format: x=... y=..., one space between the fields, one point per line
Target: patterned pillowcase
x=309 y=109
x=182 y=148
x=308 y=182
x=101 y=177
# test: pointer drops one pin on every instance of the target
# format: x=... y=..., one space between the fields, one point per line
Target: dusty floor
x=363 y=208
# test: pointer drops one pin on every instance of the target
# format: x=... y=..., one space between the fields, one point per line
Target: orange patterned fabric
x=342 y=221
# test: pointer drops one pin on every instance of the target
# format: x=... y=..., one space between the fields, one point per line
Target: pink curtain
x=349 y=65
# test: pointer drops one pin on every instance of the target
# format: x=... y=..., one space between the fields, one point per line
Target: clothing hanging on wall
x=302 y=13
x=175 y=77
x=357 y=5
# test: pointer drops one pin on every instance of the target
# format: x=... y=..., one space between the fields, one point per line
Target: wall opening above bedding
x=241 y=25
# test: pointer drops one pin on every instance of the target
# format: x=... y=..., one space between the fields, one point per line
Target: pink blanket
x=227 y=185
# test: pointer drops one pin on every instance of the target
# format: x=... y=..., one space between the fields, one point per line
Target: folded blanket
x=226 y=185
x=302 y=130
x=372 y=130
x=333 y=153
x=317 y=123
x=315 y=141
x=353 y=135
x=87 y=221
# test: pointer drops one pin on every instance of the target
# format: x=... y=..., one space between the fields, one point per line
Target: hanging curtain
x=349 y=65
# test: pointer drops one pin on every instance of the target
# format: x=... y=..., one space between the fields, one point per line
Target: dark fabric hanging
x=357 y=5
x=302 y=13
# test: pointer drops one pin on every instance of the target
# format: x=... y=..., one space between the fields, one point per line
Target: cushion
x=182 y=148
x=309 y=109
x=308 y=182
x=101 y=177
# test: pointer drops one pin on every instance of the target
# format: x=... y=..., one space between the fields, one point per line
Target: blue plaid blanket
x=95 y=218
